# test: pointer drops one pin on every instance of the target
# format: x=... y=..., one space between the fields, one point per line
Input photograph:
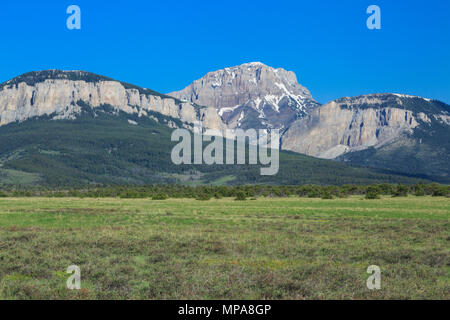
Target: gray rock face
x=254 y=96
x=354 y=124
x=251 y=95
x=58 y=92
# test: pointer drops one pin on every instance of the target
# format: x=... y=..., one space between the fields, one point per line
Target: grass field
x=291 y=248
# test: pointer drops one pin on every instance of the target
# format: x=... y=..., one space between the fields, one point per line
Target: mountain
x=70 y=128
x=391 y=131
x=103 y=146
x=251 y=95
x=61 y=94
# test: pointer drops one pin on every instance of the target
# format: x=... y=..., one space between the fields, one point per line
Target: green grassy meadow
x=268 y=248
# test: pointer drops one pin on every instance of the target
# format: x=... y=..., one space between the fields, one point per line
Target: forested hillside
x=109 y=147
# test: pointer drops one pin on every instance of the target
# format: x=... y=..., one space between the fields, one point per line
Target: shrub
x=385 y=189
x=326 y=195
x=314 y=194
x=420 y=192
x=373 y=192
x=240 y=196
x=401 y=191
x=203 y=197
x=440 y=192
x=372 y=195
x=159 y=196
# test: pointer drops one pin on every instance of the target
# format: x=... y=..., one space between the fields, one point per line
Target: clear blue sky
x=165 y=45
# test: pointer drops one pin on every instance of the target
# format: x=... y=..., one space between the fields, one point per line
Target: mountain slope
x=251 y=95
x=77 y=128
x=58 y=93
x=391 y=131
x=103 y=146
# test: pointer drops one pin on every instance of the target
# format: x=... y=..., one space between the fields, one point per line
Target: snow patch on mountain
x=252 y=85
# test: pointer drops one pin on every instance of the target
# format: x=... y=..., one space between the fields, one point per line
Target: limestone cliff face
x=352 y=124
x=59 y=95
x=251 y=95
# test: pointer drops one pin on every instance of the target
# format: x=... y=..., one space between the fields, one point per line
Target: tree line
x=162 y=192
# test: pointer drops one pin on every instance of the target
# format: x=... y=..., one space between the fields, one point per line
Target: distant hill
x=103 y=146
x=390 y=131
x=77 y=128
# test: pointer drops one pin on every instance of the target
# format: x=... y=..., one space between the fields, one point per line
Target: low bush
x=240 y=196
x=160 y=196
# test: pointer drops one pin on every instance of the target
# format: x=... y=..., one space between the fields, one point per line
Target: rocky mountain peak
x=352 y=124
x=251 y=95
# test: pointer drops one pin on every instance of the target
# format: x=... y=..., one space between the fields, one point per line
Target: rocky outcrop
x=59 y=96
x=354 y=124
x=251 y=95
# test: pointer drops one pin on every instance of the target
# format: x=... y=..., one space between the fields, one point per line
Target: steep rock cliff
x=58 y=93
x=251 y=95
